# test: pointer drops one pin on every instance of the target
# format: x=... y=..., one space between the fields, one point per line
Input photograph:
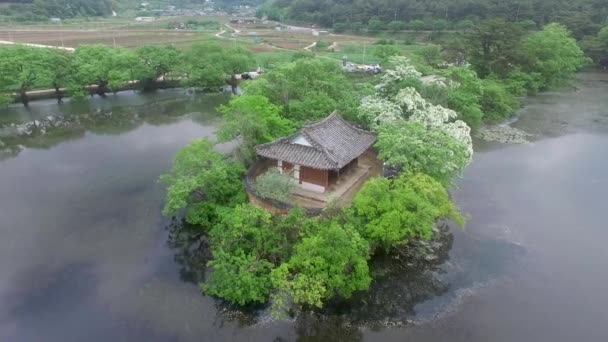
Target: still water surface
x=84 y=253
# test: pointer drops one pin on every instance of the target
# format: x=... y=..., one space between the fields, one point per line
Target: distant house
x=145 y=19
x=56 y=20
x=320 y=153
x=320 y=33
x=244 y=21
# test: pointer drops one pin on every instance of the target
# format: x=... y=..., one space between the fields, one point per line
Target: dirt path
x=5 y=42
x=333 y=45
x=310 y=46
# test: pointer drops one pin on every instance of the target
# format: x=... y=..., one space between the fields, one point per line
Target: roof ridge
x=322 y=121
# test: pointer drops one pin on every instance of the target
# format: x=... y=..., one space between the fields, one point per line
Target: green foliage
x=493 y=46
x=307 y=90
x=331 y=263
x=254 y=120
x=375 y=25
x=431 y=54
x=520 y=83
x=200 y=181
x=413 y=148
x=340 y=27
x=247 y=244
x=274 y=185
x=101 y=65
x=552 y=53
x=497 y=103
x=396 y=26
x=22 y=68
x=388 y=213
x=38 y=10
x=154 y=62
x=466 y=95
x=603 y=36
x=239 y=278
x=417 y=25
x=385 y=51
x=208 y=65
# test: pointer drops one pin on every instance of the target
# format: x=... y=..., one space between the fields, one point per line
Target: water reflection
x=46 y=124
x=192 y=252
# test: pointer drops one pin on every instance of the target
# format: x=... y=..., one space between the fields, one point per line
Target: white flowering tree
x=448 y=138
x=378 y=112
x=401 y=70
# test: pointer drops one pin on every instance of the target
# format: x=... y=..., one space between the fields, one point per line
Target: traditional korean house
x=320 y=152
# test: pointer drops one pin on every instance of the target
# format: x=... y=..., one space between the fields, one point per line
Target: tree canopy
x=108 y=68
x=23 y=68
x=331 y=263
x=254 y=120
x=411 y=147
x=200 y=181
x=307 y=89
x=388 y=213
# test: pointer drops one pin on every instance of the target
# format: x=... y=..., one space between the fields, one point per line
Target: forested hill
x=583 y=17
x=37 y=9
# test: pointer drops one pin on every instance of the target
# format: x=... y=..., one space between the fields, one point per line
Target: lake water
x=84 y=252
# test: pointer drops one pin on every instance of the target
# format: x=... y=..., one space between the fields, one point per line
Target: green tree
x=256 y=232
x=440 y=25
x=107 y=68
x=553 y=53
x=417 y=25
x=493 y=47
x=385 y=51
x=411 y=147
x=375 y=25
x=200 y=181
x=431 y=55
x=389 y=213
x=239 y=278
x=497 y=103
x=465 y=96
x=61 y=61
x=255 y=121
x=209 y=65
x=201 y=66
x=247 y=243
x=307 y=90
x=396 y=26
x=155 y=62
x=340 y=27
x=331 y=263
x=22 y=68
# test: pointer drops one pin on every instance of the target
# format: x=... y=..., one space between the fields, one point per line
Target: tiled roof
x=333 y=143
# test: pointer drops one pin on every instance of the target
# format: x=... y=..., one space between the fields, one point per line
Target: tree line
x=584 y=18
x=99 y=69
x=36 y=10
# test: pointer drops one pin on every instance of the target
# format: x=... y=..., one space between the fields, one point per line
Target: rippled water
x=84 y=252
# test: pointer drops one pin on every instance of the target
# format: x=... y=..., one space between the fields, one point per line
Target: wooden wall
x=314 y=176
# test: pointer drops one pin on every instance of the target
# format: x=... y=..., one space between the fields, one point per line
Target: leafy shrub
x=497 y=103
x=340 y=27
x=274 y=185
x=389 y=212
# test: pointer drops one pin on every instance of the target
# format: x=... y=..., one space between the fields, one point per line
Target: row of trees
x=206 y=65
x=583 y=17
x=296 y=260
